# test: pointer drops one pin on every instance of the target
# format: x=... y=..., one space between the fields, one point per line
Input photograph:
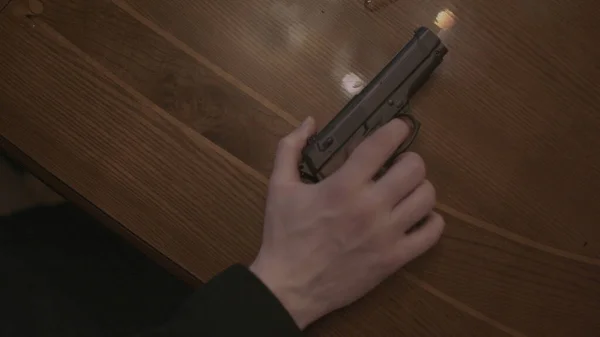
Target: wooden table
x=162 y=117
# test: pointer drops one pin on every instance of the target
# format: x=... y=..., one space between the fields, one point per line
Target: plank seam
x=460 y=306
x=89 y=207
x=5 y=6
x=207 y=63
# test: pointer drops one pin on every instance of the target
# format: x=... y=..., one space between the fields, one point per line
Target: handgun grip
x=415 y=128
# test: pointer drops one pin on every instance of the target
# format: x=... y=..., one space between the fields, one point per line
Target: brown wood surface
x=3 y=4
x=164 y=115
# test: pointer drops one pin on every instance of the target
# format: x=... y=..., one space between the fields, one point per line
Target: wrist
x=298 y=304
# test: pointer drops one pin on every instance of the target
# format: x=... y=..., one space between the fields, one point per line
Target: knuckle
x=391 y=263
x=415 y=162
x=439 y=222
x=334 y=190
x=334 y=194
x=436 y=228
x=429 y=190
x=286 y=143
x=397 y=257
x=279 y=186
x=363 y=151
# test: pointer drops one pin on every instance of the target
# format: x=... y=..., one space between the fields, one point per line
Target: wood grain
x=76 y=198
x=85 y=126
x=510 y=120
x=168 y=127
x=171 y=79
x=55 y=86
x=513 y=283
x=3 y=5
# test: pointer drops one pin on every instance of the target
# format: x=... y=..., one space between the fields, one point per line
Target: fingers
x=416 y=206
x=420 y=240
x=372 y=153
x=289 y=152
x=403 y=177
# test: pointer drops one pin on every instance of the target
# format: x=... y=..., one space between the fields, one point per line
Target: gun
x=384 y=98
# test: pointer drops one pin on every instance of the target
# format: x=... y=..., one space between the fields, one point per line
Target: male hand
x=326 y=245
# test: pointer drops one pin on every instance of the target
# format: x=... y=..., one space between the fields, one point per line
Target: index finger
x=371 y=154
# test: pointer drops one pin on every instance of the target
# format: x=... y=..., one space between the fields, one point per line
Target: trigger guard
x=415 y=128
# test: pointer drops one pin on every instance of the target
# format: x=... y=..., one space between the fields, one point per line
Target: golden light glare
x=445 y=19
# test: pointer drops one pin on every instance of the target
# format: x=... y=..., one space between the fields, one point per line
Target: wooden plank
x=510 y=119
x=103 y=140
x=169 y=186
x=171 y=79
x=294 y=54
x=534 y=292
x=402 y=307
x=74 y=197
x=3 y=5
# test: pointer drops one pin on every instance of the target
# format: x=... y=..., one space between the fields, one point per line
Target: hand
x=326 y=245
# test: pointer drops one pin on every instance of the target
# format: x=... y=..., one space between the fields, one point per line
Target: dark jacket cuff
x=234 y=303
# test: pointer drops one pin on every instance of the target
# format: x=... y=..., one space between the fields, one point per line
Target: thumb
x=289 y=152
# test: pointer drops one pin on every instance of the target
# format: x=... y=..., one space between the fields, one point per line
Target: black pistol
x=384 y=98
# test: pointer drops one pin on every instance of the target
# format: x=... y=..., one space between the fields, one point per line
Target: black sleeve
x=234 y=303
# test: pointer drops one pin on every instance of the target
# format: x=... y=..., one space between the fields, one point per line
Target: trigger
x=403 y=110
x=415 y=125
